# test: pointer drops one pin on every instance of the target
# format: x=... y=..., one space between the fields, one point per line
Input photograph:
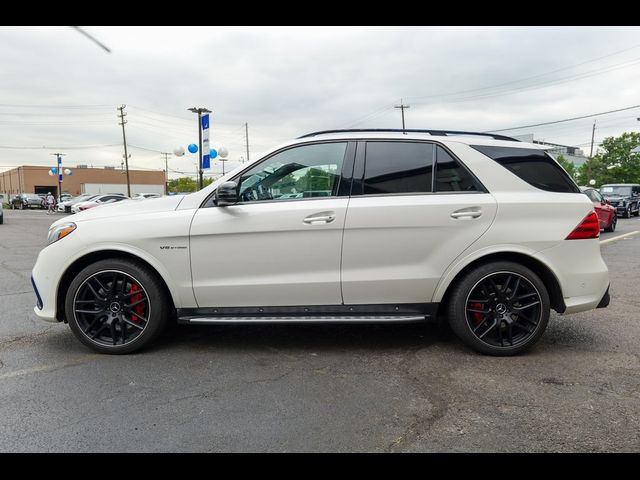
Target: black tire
x=627 y=212
x=22 y=206
x=526 y=333
x=637 y=210
x=612 y=226
x=157 y=308
x=1 y=219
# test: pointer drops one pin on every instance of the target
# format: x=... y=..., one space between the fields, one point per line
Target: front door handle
x=473 y=212
x=320 y=218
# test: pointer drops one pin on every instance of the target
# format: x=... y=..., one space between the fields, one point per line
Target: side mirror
x=227 y=194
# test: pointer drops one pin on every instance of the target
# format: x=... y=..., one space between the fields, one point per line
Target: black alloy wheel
x=116 y=306
x=500 y=308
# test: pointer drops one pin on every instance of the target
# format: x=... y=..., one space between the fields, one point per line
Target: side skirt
x=382 y=313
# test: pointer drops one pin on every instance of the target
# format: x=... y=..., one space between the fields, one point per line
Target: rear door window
x=533 y=166
x=398 y=167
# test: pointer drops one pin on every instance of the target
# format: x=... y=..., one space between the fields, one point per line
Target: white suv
x=384 y=226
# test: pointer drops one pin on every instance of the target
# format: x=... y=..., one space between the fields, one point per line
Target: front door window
x=308 y=171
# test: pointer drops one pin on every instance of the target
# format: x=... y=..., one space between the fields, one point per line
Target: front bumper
x=620 y=209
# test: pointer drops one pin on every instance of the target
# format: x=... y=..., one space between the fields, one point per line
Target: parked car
x=140 y=196
x=27 y=200
x=481 y=229
x=1 y=215
x=65 y=207
x=607 y=215
x=82 y=206
x=97 y=200
x=624 y=196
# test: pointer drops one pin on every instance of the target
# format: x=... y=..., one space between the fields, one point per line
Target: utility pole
x=593 y=133
x=246 y=136
x=199 y=111
x=166 y=172
x=124 y=141
x=402 y=106
x=59 y=172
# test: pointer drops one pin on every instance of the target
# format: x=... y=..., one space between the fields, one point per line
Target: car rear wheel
x=612 y=226
x=627 y=212
x=500 y=308
x=116 y=306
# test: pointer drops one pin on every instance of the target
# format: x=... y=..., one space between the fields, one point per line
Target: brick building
x=31 y=179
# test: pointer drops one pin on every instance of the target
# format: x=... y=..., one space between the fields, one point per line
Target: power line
x=48 y=147
x=565 y=120
x=93 y=39
x=24 y=105
x=528 y=78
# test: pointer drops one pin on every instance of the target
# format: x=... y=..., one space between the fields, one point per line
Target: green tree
x=186 y=184
x=615 y=163
x=568 y=166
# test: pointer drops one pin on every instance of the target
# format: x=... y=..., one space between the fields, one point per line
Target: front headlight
x=60 y=231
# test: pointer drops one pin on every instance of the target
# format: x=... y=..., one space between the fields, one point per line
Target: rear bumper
x=582 y=274
x=605 y=300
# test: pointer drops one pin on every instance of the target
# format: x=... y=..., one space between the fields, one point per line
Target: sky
x=59 y=90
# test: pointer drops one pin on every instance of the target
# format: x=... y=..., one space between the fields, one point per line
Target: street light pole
x=59 y=172
x=199 y=111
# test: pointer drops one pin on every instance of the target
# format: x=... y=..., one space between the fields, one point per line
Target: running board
x=217 y=320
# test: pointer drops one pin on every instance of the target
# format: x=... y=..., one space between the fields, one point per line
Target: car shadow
x=325 y=337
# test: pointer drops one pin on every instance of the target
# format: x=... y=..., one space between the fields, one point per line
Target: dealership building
x=30 y=179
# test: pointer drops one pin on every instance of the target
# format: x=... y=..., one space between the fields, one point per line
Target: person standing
x=51 y=203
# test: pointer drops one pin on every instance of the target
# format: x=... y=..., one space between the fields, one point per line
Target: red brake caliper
x=139 y=309
x=477 y=317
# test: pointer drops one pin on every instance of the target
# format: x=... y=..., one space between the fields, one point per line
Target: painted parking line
x=619 y=237
x=47 y=368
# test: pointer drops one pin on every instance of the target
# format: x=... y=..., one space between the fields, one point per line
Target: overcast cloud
x=59 y=89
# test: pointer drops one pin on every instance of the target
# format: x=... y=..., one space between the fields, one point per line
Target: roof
x=444 y=136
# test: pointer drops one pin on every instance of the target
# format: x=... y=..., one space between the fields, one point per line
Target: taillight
x=588 y=228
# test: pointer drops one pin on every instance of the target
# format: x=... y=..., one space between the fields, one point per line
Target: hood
x=125 y=207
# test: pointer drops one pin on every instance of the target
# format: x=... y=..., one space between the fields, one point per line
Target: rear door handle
x=473 y=212
x=320 y=218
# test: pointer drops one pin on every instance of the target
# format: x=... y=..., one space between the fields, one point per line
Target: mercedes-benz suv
x=625 y=197
x=482 y=229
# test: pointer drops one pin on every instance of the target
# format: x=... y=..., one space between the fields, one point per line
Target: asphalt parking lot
x=412 y=388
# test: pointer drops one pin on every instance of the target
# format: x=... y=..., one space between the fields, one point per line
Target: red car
x=606 y=213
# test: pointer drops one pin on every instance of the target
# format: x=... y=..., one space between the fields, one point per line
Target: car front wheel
x=499 y=308
x=117 y=306
x=612 y=225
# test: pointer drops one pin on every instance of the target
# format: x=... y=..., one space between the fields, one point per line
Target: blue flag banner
x=206 y=151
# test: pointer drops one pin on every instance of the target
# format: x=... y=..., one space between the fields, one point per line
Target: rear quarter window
x=533 y=166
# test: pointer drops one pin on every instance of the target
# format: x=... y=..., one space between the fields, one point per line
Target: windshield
x=616 y=190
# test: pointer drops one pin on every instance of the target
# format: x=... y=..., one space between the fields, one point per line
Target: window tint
x=398 y=167
x=533 y=166
x=451 y=176
x=300 y=172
